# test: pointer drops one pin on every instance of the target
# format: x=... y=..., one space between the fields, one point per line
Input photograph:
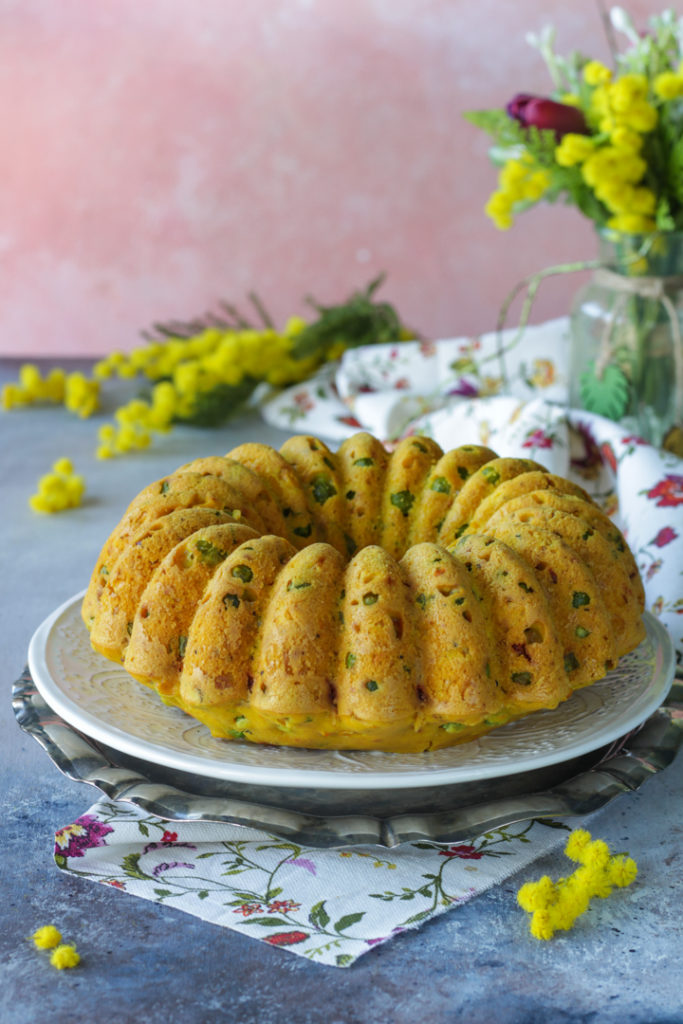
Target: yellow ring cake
x=400 y=601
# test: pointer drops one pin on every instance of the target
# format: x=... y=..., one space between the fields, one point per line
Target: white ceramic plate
x=101 y=700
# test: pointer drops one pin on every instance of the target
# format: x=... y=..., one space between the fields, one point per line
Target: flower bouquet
x=609 y=141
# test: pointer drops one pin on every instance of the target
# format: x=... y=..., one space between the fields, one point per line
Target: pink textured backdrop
x=160 y=155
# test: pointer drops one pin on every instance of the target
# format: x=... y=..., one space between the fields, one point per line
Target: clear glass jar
x=627 y=336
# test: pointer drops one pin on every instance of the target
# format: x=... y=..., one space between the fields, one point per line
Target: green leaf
x=318 y=916
x=268 y=922
x=513 y=140
x=143 y=828
x=202 y=894
x=343 y=959
x=163 y=892
x=417 y=917
x=552 y=823
x=131 y=868
x=606 y=395
x=663 y=218
x=675 y=171
x=347 y=920
x=492 y=121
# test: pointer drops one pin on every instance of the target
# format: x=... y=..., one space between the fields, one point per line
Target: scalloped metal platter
x=445 y=814
x=425 y=798
x=102 y=701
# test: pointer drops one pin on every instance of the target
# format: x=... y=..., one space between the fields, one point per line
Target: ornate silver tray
x=324 y=818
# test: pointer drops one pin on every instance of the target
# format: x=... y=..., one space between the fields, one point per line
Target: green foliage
x=268 y=922
x=512 y=139
x=358 y=321
x=318 y=916
x=567 y=182
x=492 y=121
x=606 y=394
x=663 y=218
x=675 y=171
x=215 y=406
x=130 y=864
x=347 y=920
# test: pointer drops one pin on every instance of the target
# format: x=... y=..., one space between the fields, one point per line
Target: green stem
x=532 y=284
x=261 y=310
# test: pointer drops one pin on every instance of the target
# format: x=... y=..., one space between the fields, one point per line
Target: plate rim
x=294 y=777
x=623 y=768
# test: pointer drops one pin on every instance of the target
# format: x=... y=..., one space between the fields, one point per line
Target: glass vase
x=627 y=336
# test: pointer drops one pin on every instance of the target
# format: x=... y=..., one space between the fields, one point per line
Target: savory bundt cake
x=399 y=601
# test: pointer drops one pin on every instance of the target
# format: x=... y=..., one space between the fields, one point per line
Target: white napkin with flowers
x=330 y=906
x=334 y=905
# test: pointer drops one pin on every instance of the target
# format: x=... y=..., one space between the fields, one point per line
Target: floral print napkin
x=330 y=906
x=384 y=388
x=334 y=905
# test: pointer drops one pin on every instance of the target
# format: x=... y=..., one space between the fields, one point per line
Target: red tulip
x=539 y=112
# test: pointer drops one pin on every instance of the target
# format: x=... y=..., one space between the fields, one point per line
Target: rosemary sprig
x=358 y=321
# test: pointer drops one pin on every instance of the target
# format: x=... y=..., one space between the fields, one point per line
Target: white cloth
x=330 y=906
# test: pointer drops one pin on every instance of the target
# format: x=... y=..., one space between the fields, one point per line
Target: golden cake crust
x=403 y=600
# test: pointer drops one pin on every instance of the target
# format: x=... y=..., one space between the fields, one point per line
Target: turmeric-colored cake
x=401 y=601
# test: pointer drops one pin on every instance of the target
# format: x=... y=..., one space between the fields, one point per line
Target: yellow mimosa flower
x=499 y=209
x=632 y=223
x=627 y=90
x=625 y=138
x=609 y=162
x=65 y=956
x=574 y=149
x=641 y=116
x=555 y=906
x=668 y=85
x=58 y=490
x=595 y=73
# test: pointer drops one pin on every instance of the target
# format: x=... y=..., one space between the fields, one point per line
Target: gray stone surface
x=142 y=962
